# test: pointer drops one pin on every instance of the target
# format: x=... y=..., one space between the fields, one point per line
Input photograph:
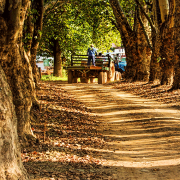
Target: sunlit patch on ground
x=66 y=130
x=119 y=136
x=161 y=93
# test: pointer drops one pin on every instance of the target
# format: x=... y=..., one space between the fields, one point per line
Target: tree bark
x=155 y=70
x=161 y=66
x=136 y=68
x=155 y=39
x=28 y=32
x=10 y=157
x=164 y=9
x=39 y=6
x=143 y=48
x=16 y=64
x=167 y=48
x=167 y=57
x=176 y=83
x=57 y=59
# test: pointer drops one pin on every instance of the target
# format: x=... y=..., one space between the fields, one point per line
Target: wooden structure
x=79 y=69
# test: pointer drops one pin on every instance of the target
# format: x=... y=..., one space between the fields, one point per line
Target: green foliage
x=77 y=25
x=53 y=78
x=158 y=59
x=129 y=10
x=27 y=37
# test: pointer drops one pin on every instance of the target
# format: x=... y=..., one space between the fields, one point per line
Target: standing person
x=91 y=55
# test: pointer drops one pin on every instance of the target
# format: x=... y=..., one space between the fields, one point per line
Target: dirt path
x=143 y=138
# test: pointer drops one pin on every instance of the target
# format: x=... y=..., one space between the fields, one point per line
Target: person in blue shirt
x=91 y=52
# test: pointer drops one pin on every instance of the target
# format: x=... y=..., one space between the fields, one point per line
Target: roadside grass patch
x=53 y=78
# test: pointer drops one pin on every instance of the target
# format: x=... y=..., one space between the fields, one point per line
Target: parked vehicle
x=104 y=69
x=119 y=63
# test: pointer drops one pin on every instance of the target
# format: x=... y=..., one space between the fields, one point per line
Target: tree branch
x=51 y=3
x=55 y=5
x=148 y=18
x=144 y=30
x=122 y=22
x=135 y=19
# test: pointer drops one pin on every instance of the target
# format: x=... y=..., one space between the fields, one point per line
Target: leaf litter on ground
x=66 y=132
x=154 y=91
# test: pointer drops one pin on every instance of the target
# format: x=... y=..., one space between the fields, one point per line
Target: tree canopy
x=77 y=25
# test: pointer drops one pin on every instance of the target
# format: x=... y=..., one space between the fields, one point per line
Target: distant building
x=40 y=64
x=120 y=50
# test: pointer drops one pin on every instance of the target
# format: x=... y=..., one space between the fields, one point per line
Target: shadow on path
x=141 y=135
x=96 y=132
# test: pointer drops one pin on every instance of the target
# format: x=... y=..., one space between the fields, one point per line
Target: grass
x=53 y=78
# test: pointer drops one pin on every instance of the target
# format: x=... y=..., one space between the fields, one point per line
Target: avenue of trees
x=148 y=29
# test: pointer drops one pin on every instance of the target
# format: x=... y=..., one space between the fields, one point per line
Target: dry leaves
x=67 y=133
x=66 y=130
x=161 y=93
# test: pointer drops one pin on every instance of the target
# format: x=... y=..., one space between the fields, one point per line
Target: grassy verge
x=53 y=78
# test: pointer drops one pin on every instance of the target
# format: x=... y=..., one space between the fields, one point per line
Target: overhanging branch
x=145 y=14
x=122 y=22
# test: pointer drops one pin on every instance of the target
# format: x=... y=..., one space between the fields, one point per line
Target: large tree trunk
x=16 y=64
x=163 y=44
x=176 y=83
x=57 y=59
x=167 y=48
x=131 y=56
x=127 y=36
x=143 y=48
x=155 y=71
x=10 y=157
x=137 y=67
x=167 y=57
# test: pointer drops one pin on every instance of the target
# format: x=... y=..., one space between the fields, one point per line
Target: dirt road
x=143 y=138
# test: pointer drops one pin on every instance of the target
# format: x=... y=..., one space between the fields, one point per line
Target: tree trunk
x=38 y=5
x=10 y=157
x=137 y=67
x=162 y=42
x=127 y=36
x=57 y=59
x=16 y=64
x=155 y=71
x=131 y=56
x=144 y=51
x=28 y=32
x=176 y=83
x=164 y=9
x=167 y=48
x=167 y=57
